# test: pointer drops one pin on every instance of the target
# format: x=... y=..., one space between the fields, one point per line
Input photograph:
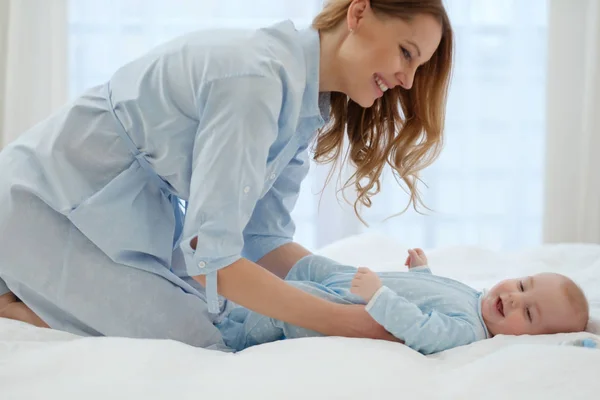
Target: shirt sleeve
x=271 y=224
x=238 y=122
x=427 y=333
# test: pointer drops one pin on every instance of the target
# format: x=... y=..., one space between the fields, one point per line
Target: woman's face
x=381 y=53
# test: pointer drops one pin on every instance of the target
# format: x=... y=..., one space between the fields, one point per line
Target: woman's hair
x=404 y=127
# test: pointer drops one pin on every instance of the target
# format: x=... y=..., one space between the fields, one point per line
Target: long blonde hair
x=407 y=141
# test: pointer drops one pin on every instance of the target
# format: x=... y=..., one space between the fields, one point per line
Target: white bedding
x=44 y=364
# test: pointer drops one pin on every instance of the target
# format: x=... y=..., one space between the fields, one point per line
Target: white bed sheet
x=44 y=364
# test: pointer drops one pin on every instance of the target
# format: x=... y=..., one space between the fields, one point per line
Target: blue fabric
x=214 y=122
x=429 y=313
x=589 y=343
x=3 y=288
x=248 y=157
x=178 y=207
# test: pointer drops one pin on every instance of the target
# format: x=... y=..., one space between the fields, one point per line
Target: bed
x=39 y=363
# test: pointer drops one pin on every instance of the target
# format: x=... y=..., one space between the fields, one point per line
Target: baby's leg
x=12 y=308
x=292 y=331
x=257 y=329
x=316 y=269
x=260 y=329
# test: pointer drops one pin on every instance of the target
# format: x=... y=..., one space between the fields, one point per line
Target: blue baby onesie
x=429 y=313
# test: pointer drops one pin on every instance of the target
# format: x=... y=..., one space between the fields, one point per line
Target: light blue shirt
x=254 y=109
x=219 y=121
x=429 y=313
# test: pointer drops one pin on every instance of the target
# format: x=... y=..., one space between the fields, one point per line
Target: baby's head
x=535 y=305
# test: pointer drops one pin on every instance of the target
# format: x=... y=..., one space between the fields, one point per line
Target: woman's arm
x=228 y=219
x=278 y=261
x=253 y=287
x=269 y=235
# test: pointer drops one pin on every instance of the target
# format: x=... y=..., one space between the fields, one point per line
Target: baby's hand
x=365 y=283
x=416 y=258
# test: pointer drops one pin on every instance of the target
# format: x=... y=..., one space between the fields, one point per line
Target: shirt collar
x=314 y=104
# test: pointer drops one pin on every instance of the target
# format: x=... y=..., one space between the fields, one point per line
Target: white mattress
x=38 y=363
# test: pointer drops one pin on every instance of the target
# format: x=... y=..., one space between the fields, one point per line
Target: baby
x=428 y=313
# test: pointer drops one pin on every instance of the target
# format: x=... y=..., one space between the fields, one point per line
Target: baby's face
x=531 y=305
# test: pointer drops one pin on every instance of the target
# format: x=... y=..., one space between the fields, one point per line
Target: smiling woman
x=221 y=120
x=390 y=91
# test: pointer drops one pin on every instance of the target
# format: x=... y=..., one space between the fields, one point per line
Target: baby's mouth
x=500 y=306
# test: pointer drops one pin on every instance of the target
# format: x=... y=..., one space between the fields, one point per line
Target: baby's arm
x=427 y=333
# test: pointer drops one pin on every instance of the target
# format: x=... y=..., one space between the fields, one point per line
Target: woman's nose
x=406 y=78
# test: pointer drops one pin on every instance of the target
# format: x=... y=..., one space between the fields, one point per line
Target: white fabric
x=572 y=212
x=38 y=363
x=33 y=63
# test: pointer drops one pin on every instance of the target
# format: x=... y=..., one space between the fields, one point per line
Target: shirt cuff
x=195 y=265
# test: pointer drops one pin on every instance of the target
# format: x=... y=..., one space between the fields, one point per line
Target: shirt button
x=272 y=176
x=246 y=189
x=202 y=264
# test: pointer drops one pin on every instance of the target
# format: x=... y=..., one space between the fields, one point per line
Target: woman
x=94 y=239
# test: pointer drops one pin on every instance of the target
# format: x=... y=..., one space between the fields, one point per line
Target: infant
x=426 y=312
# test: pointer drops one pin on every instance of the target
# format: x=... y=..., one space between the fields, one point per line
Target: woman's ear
x=356 y=13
